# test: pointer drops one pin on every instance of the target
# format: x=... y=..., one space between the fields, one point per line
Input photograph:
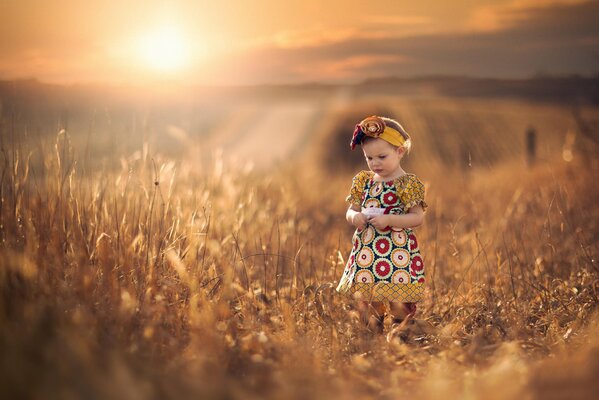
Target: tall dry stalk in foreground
x=156 y=280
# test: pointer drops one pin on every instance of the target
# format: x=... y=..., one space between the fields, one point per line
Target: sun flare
x=164 y=49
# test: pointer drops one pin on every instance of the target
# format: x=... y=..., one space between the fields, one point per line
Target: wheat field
x=176 y=266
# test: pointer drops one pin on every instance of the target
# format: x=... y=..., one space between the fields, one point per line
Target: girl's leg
x=401 y=312
x=372 y=315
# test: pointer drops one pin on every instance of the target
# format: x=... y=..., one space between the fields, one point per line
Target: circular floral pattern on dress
x=400 y=258
x=376 y=189
x=368 y=235
x=382 y=246
x=413 y=242
x=372 y=203
x=421 y=279
x=400 y=276
x=417 y=264
x=364 y=276
x=365 y=257
x=399 y=238
x=382 y=268
x=390 y=198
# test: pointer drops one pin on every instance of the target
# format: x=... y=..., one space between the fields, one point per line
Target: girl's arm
x=413 y=218
x=355 y=217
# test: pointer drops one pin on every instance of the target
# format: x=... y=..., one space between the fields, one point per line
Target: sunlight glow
x=164 y=49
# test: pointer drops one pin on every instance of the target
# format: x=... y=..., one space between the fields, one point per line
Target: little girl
x=385 y=203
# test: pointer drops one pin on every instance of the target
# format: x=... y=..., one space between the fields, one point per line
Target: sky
x=271 y=41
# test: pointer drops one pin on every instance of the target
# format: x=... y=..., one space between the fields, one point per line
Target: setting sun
x=164 y=49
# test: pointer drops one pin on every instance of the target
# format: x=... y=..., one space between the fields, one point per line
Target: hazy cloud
x=561 y=38
x=502 y=39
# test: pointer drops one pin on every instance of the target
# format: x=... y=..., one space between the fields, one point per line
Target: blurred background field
x=181 y=243
x=172 y=184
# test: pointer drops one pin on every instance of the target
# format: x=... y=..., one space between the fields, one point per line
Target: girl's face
x=383 y=158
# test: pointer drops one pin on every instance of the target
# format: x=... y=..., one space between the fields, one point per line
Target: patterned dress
x=385 y=264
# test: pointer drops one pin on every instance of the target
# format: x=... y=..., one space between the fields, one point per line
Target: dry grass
x=151 y=278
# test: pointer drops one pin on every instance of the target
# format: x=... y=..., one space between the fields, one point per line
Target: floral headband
x=375 y=127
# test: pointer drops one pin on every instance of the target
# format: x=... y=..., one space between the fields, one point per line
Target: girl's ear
x=401 y=151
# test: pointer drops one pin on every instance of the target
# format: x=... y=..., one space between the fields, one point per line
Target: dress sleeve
x=411 y=193
x=357 y=188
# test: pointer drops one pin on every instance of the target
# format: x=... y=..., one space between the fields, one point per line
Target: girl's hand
x=380 y=222
x=359 y=220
